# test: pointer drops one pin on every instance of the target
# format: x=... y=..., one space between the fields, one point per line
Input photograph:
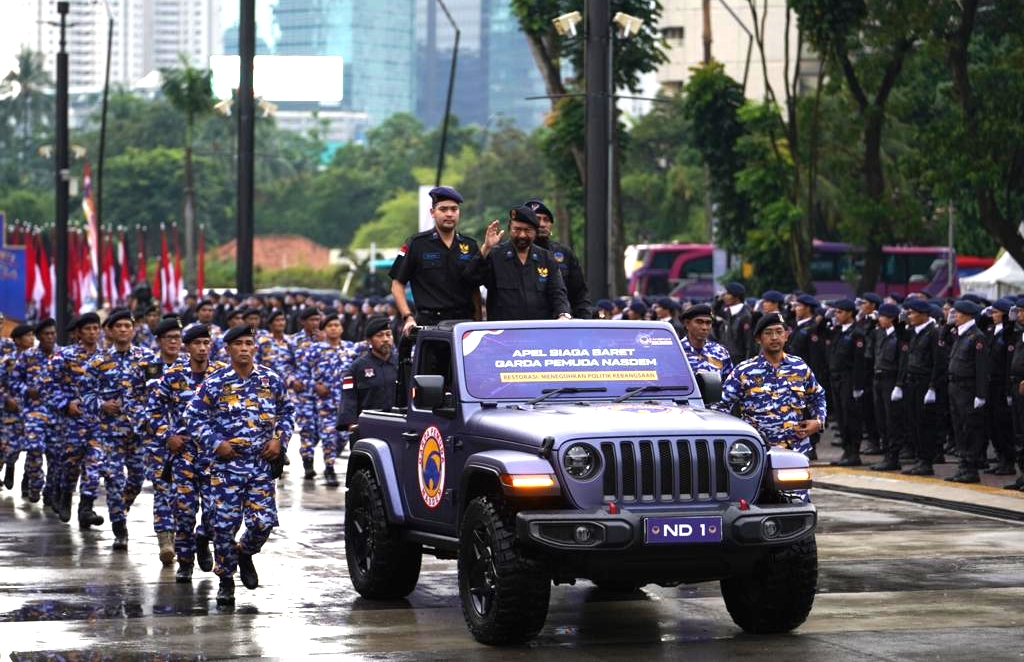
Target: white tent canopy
x=1003 y=278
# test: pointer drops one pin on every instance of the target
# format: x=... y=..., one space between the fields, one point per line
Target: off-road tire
x=380 y=564
x=504 y=594
x=778 y=594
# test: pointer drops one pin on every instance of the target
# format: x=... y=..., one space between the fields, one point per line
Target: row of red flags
x=87 y=257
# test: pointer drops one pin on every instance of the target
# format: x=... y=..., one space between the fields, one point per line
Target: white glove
x=1009 y=401
x=858 y=394
x=897 y=394
x=979 y=403
x=929 y=397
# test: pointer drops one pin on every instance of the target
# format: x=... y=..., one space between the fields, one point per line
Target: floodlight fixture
x=565 y=25
x=630 y=25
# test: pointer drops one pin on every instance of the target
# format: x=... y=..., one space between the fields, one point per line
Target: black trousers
x=889 y=416
x=848 y=413
x=922 y=419
x=999 y=420
x=968 y=425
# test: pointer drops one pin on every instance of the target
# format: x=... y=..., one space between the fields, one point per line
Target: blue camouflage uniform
x=305 y=400
x=11 y=428
x=247 y=413
x=33 y=380
x=278 y=355
x=155 y=450
x=326 y=365
x=76 y=454
x=712 y=357
x=190 y=468
x=144 y=337
x=115 y=375
x=774 y=401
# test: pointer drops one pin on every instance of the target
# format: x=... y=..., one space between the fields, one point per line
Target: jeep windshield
x=519 y=362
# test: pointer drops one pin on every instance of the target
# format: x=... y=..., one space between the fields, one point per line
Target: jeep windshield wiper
x=548 y=392
x=650 y=388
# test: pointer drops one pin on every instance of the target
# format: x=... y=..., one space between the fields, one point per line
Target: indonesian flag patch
x=403 y=250
x=347 y=383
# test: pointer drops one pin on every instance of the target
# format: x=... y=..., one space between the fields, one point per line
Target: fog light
x=583 y=534
x=769 y=528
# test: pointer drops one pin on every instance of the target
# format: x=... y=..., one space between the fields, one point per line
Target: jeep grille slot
x=665 y=470
x=703 y=470
x=721 y=475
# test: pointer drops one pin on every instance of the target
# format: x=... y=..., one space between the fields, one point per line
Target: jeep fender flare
x=488 y=466
x=375 y=455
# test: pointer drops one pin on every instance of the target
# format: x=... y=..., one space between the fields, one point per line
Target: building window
x=673 y=34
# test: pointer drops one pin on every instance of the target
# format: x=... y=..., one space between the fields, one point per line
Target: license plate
x=667 y=530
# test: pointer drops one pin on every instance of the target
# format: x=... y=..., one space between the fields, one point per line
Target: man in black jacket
x=847 y=370
x=733 y=323
x=568 y=263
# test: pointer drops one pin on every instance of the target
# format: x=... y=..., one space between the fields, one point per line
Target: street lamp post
x=598 y=118
x=61 y=180
x=448 y=99
x=103 y=149
x=246 y=108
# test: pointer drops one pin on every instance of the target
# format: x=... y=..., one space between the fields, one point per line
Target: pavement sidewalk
x=987 y=495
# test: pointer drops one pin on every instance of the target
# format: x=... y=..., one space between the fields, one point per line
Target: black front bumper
x=558 y=530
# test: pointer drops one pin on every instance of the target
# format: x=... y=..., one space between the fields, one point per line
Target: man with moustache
x=369 y=382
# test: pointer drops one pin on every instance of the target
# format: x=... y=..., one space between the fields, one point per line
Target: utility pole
x=597 y=75
x=99 y=166
x=61 y=180
x=246 y=107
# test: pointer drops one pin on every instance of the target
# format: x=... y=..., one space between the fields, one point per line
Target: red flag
x=109 y=280
x=179 y=291
x=163 y=281
x=47 y=300
x=74 y=292
x=30 y=273
x=122 y=259
x=201 y=266
x=142 y=273
x=89 y=209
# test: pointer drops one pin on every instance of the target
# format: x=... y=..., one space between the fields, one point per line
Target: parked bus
x=685 y=270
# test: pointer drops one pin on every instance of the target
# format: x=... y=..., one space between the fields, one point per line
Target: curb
x=971 y=508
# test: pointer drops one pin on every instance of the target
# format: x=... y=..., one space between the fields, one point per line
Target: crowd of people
x=202 y=402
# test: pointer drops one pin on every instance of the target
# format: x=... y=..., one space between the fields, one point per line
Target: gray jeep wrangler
x=545 y=452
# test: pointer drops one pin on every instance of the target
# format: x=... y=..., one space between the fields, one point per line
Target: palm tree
x=190 y=91
x=26 y=97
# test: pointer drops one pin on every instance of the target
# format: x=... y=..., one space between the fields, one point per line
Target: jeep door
x=431 y=466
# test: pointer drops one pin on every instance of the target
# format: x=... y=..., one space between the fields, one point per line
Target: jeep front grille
x=649 y=471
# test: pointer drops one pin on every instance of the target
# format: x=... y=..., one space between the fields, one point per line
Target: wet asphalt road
x=897 y=582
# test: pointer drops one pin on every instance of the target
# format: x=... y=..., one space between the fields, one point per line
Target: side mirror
x=427 y=391
x=710 y=385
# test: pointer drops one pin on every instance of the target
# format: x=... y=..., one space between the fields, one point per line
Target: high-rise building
x=682 y=24
x=495 y=71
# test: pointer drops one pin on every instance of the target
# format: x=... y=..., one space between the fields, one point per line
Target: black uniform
x=847 y=369
x=520 y=291
x=369 y=383
x=436 y=272
x=871 y=426
x=999 y=418
x=968 y=379
x=1016 y=376
x=735 y=332
x=922 y=369
x=572 y=275
x=886 y=349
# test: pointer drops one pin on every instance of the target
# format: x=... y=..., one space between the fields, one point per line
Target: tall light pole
x=448 y=98
x=103 y=149
x=246 y=107
x=597 y=62
x=61 y=180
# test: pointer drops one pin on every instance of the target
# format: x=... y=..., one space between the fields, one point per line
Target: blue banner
x=12 y=276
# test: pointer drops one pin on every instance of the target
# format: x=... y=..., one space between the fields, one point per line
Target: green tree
x=190 y=91
x=26 y=99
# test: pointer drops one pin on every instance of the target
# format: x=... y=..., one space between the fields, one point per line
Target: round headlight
x=580 y=461
x=742 y=458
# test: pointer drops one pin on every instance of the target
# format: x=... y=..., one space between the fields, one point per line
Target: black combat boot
x=203 y=555
x=307 y=465
x=184 y=573
x=247 y=571
x=9 y=476
x=330 y=478
x=226 y=592
x=64 y=507
x=120 y=535
x=86 y=515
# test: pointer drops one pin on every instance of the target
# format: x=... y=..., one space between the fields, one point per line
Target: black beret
x=1003 y=304
x=234 y=312
x=966 y=307
x=774 y=296
x=375 y=325
x=736 y=289
x=697 y=310
x=118 y=315
x=328 y=318
x=439 y=193
x=605 y=304
x=167 y=325
x=770 y=319
x=21 y=330
x=151 y=308
x=86 y=318
x=872 y=297
x=236 y=332
x=539 y=207
x=44 y=324
x=975 y=298
x=918 y=305
x=276 y=312
x=668 y=303
x=195 y=332
x=638 y=307
x=169 y=316
x=308 y=312
x=844 y=304
x=807 y=300
x=889 y=310
x=251 y=311
x=204 y=302
x=523 y=214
